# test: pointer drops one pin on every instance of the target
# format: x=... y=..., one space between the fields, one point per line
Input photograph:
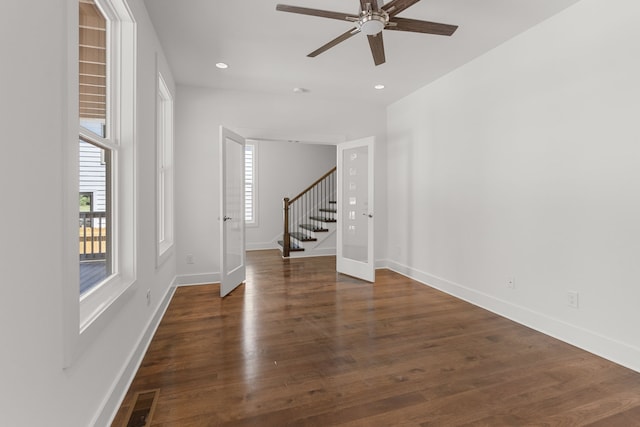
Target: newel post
x=286 y=241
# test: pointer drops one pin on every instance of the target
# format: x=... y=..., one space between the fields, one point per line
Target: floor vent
x=141 y=412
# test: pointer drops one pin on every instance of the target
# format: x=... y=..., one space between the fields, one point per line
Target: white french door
x=354 y=254
x=232 y=239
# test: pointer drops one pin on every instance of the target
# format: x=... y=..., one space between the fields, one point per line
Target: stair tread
x=302 y=237
x=333 y=202
x=292 y=246
x=313 y=228
x=332 y=210
x=322 y=219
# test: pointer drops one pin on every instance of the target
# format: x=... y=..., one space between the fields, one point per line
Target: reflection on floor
x=299 y=345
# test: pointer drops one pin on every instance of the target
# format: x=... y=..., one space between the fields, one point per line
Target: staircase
x=310 y=220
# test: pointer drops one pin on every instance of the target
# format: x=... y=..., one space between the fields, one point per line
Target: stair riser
x=307 y=254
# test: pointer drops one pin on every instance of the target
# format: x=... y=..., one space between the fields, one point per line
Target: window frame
x=165 y=171
x=84 y=316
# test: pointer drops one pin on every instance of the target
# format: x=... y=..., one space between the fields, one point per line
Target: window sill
x=100 y=304
x=165 y=251
x=101 y=299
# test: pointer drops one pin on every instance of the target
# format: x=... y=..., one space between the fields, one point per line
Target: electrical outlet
x=190 y=259
x=511 y=283
x=572 y=299
x=148 y=296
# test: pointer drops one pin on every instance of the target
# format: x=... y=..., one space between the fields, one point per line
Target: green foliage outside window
x=85 y=203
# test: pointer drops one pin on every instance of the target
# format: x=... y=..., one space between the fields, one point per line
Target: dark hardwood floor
x=300 y=345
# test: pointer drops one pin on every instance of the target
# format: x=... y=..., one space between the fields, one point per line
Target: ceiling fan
x=373 y=18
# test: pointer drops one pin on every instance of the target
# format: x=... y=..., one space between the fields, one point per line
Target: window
x=95 y=202
x=250 y=208
x=95 y=146
x=86 y=202
x=100 y=169
x=164 y=140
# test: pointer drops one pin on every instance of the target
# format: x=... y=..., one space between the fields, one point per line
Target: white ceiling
x=266 y=49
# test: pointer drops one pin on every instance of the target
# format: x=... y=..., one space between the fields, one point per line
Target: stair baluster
x=312 y=200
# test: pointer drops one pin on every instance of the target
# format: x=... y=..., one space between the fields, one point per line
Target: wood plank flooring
x=299 y=345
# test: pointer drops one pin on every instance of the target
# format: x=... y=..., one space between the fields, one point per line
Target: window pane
x=93 y=66
x=354 y=189
x=165 y=168
x=249 y=187
x=94 y=234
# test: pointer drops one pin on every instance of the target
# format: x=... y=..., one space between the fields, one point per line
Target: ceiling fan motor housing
x=371 y=23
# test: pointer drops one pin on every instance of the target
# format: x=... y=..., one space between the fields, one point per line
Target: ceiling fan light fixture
x=372 y=25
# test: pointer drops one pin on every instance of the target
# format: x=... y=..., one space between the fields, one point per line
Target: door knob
x=227 y=218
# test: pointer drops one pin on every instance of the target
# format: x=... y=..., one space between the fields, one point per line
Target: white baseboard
x=613 y=350
x=123 y=381
x=197 y=279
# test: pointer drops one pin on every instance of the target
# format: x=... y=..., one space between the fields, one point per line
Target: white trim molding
x=197 y=279
x=121 y=385
x=85 y=316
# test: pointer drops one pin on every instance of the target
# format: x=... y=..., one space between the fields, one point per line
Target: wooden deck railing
x=300 y=207
x=93 y=235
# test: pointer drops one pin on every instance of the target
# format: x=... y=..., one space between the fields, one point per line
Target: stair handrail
x=287 y=202
x=309 y=188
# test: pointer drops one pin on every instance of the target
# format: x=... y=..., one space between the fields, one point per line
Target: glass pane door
x=355 y=209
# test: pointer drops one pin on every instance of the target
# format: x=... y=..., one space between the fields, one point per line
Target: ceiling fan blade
x=416 y=26
x=394 y=7
x=333 y=42
x=316 y=12
x=377 y=48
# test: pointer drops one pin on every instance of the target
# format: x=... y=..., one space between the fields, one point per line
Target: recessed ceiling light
x=379 y=87
x=222 y=65
x=300 y=90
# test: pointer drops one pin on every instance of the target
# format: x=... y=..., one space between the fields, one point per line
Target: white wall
x=35 y=390
x=284 y=170
x=201 y=111
x=524 y=163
